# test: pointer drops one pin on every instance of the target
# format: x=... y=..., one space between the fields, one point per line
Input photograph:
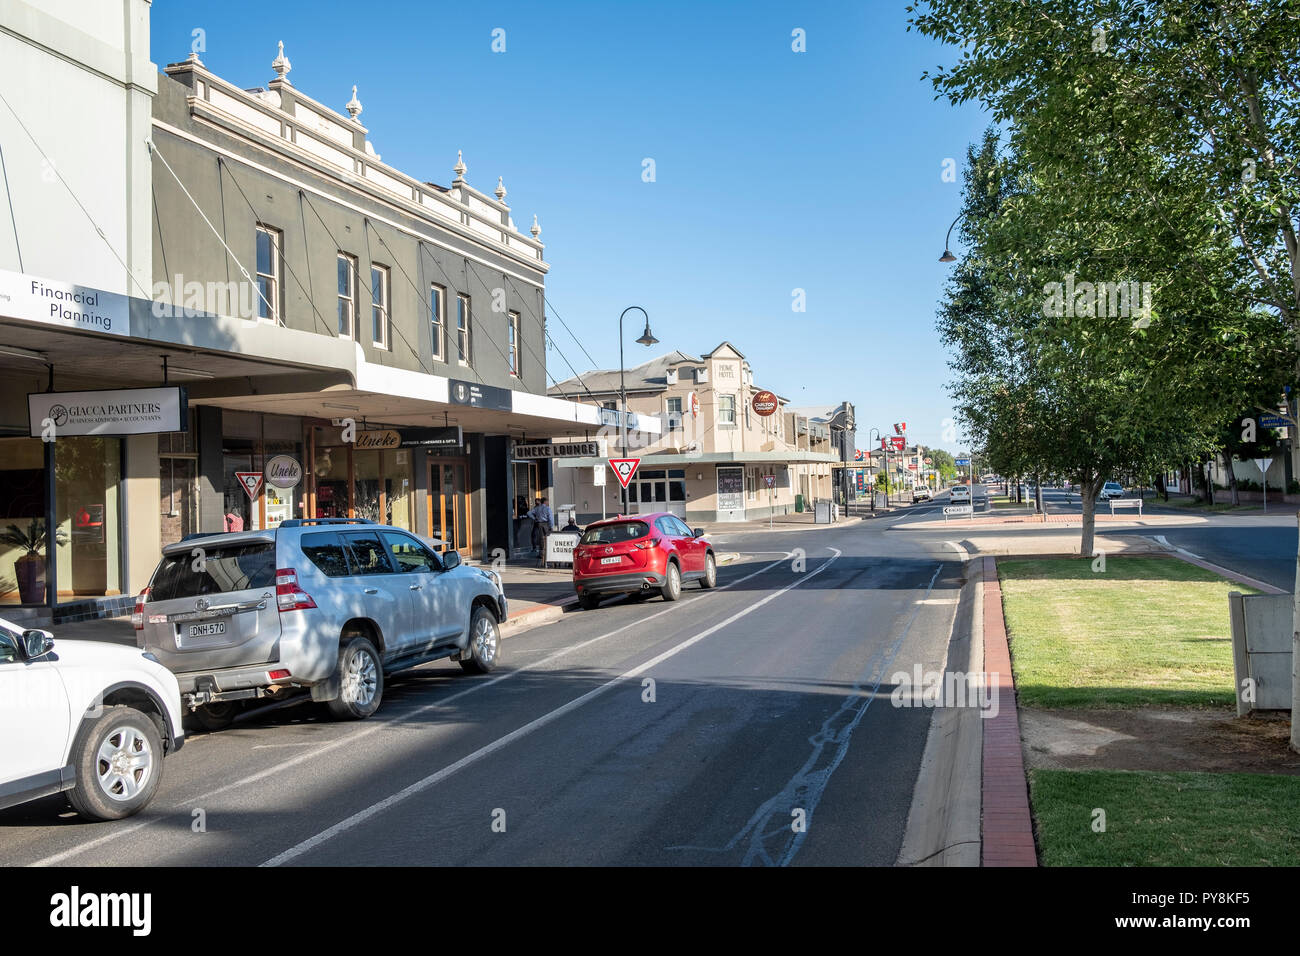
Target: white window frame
x=438 y=320
x=464 y=330
x=381 y=307
x=272 y=296
x=350 y=299
x=674 y=414
x=722 y=399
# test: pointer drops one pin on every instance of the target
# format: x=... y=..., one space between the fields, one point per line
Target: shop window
x=23 y=541
x=87 y=505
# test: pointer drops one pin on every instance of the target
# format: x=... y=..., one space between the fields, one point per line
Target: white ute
x=89 y=718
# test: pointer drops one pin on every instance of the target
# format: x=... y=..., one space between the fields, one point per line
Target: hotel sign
x=573 y=449
x=119 y=411
x=63 y=305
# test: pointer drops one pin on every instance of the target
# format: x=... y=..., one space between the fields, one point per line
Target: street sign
x=598 y=477
x=769 y=480
x=252 y=482
x=958 y=510
x=1273 y=421
x=624 y=469
x=962 y=462
x=1263 y=464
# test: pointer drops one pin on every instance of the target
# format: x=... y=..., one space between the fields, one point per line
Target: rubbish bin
x=798 y=504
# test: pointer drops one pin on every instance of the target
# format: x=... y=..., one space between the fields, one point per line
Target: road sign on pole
x=1262 y=464
x=624 y=469
x=251 y=481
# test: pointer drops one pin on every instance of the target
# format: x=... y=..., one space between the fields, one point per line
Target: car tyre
x=361 y=680
x=672 y=588
x=118 y=761
x=588 y=602
x=484 y=643
x=710 y=578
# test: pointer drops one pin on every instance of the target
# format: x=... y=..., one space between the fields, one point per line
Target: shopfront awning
x=796 y=457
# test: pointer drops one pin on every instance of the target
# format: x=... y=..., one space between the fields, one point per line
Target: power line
x=12 y=218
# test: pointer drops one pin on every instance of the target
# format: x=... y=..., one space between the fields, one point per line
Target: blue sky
x=774 y=170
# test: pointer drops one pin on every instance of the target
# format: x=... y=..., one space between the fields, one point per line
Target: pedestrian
x=543 y=523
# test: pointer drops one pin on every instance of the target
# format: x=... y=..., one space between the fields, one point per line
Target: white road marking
x=374 y=809
x=375 y=728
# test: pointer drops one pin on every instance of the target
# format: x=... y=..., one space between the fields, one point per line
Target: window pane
x=377 y=317
x=266 y=296
x=345 y=276
x=677 y=490
x=265 y=259
x=326 y=552
x=367 y=555
x=377 y=285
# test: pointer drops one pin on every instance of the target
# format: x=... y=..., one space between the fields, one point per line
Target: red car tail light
x=137 y=617
x=277 y=675
x=288 y=596
x=648 y=544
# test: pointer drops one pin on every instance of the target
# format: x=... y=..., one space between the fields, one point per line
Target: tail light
x=288 y=596
x=137 y=616
x=649 y=544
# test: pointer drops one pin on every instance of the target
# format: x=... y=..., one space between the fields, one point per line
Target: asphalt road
x=700 y=732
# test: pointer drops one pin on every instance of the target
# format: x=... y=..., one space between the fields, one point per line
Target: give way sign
x=252 y=482
x=624 y=469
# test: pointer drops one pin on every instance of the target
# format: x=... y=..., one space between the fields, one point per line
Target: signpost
x=770 y=481
x=958 y=510
x=251 y=482
x=1262 y=464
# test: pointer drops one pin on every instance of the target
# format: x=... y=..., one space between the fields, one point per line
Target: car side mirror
x=698 y=532
x=451 y=560
x=37 y=643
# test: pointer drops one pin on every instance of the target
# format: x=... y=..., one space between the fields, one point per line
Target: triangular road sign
x=624 y=469
x=252 y=482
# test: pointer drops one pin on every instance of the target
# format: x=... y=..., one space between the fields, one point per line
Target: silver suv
x=330 y=604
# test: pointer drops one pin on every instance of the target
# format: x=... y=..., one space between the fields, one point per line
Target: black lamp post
x=646 y=339
x=885 y=449
x=947 y=255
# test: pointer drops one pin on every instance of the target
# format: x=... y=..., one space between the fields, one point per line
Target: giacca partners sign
x=117 y=411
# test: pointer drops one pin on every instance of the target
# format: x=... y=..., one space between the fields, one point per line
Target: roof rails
x=300 y=522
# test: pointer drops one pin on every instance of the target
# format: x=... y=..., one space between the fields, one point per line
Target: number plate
x=611 y=560
x=206 y=630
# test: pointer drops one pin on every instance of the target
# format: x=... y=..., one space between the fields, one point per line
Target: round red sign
x=764 y=403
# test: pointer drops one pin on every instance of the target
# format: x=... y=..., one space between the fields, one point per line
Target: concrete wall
x=79 y=78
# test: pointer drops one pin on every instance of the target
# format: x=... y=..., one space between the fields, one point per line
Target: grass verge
x=1145 y=632
x=1166 y=819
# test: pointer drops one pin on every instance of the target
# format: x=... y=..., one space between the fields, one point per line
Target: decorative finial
x=500 y=191
x=536 y=230
x=354 y=104
x=194 y=58
x=460 y=168
x=281 y=65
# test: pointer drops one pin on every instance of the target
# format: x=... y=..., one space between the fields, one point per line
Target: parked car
x=1111 y=489
x=960 y=494
x=91 y=719
x=920 y=493
x=640 y=555
x=328 y=604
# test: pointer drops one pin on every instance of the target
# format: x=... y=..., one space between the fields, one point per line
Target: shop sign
x=283 y=472
x=381 y=439
x=479 y=396
x=610 y=417
x=435 y=439
x=572 y=449
x=764 y=404
x=115 y=411
x=63 y=305
x=559 y=547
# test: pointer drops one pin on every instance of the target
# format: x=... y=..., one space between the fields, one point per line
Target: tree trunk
x=1232 y=484
x=1088 y=489
x=1209 y=483
x=1295 y=653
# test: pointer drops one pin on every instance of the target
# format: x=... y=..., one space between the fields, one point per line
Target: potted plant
x=30 y=568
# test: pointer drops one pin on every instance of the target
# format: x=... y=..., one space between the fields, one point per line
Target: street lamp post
x=947 y=255
x=646 y=339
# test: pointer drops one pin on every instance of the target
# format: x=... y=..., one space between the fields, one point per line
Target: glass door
x=449 y=508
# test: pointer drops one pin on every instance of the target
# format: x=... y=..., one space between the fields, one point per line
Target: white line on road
x=377 y=727
x=374 y=809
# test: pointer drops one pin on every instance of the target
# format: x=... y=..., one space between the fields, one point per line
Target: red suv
x=635 y=554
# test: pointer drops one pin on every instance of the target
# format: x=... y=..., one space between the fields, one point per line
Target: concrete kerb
x=943 y=824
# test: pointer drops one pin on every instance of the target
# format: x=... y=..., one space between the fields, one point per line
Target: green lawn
x=1166 y=819
x=1145 y=632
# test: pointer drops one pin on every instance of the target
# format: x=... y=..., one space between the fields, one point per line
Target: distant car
x=920 y=494
x=651 y=553
x=960 y=494
x=329 y=605
x=1111 y=489
x=91 y=719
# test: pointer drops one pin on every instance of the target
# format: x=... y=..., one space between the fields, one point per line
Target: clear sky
x=774 y=170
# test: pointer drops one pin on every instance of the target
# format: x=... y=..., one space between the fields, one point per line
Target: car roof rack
x=300 y=522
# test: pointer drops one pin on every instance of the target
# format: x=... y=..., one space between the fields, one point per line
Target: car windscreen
x=614 y=533
x=214 y=570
